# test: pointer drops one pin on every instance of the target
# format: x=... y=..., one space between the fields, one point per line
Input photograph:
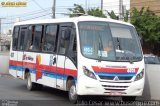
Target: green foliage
x=78 y=10
x=126 y=16
x=113 y=15
x=147 y=24
x=116 y=17
x=96 y=12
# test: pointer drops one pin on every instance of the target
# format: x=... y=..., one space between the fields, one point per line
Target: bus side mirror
x=141 y=40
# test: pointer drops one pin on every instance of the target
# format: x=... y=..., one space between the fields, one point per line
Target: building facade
x=154 y=5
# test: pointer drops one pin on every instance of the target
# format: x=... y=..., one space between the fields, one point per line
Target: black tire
x=30 y=85
x=38 y=86
x=128 y=98
x=73 y=97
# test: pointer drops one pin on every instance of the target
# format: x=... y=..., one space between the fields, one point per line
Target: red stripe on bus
x=58 y=70
x=112 y=70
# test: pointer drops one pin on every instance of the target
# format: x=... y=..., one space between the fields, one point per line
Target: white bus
x=84 y=55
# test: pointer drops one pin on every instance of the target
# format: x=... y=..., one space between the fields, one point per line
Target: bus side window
x=37 y=38
x=72 y=51
x=50 y=38
x=64 y=40
x=15 y=38
x=29 y=38
x=21 y=39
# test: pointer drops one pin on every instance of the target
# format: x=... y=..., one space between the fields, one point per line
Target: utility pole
x=54 y=9
x=102 y=6
x=120 y=9
x=86 y=10
x=0 y=32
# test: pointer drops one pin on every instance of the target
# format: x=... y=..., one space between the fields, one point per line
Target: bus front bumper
x=88 y=86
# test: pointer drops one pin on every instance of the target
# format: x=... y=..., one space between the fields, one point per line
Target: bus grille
x=109 y=88
x=112 y=78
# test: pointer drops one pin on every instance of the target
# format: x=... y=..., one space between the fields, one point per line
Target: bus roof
x=74 y=19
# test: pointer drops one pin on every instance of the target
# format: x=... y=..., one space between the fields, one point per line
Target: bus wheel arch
x=69 y=82
x=26 y=73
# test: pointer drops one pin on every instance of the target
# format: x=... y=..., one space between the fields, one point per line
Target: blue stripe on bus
x=115 y=74
x=44 y=72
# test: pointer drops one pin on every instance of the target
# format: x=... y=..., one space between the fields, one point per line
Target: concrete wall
x=4 y=60
x=152 y=82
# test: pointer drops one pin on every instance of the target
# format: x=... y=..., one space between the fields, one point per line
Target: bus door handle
x=54 y=61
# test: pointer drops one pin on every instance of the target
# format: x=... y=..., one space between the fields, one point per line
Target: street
x=14 y=92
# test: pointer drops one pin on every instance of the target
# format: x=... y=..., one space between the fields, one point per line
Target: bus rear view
x=110 y=61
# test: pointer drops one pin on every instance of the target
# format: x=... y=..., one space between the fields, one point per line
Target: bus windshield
x=109 y=41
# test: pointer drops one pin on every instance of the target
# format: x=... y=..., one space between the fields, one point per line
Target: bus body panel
x=12 y=66
x=45 y=72
x=106 y=86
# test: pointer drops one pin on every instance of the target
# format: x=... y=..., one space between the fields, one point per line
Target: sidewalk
x=4 y=62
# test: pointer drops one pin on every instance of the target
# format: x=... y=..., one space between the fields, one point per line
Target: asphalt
x=13 y=92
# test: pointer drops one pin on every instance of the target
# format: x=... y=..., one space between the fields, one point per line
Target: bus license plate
x=115 y=93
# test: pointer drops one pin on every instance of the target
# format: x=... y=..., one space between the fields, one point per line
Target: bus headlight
x=89 y=73
x=140 y=75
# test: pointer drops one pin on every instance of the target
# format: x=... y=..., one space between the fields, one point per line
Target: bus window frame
x=70 y=25
x=41 y=36
x=44 y=38
x=13 y=37
x=22 y=27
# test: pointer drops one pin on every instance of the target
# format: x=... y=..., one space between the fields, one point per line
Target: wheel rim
x=29 y=82
x=73 y=94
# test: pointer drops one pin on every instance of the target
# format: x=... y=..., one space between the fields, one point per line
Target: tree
x=113 y=15
x=116 y=17
x=126 y=16
x=79 y=10
x=76 y=11
x=96 y=12
x=147 y=25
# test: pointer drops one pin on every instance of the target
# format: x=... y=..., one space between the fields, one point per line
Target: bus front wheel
x=30 y=85
x=73 y=97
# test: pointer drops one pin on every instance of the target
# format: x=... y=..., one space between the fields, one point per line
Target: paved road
x=14 y=92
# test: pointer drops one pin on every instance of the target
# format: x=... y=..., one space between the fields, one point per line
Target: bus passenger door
x=20 y=54
x=63 y=43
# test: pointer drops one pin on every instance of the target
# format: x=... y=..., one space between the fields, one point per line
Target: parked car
x=151 y=59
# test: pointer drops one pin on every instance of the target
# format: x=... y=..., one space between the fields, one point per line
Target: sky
x=42 y=9
x=39 y=9
x=110 y=5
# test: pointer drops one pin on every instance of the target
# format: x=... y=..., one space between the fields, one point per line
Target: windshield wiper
x=100 y=47
x=118 y=44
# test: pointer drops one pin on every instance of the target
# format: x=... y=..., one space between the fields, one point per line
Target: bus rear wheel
x=73 y=97
x=30 y=85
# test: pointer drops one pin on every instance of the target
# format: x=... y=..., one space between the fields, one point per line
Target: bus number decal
x=131 y=70
x=88 y=50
